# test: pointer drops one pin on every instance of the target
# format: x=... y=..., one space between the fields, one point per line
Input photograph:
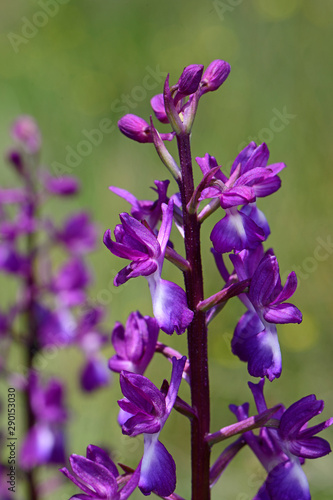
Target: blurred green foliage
x=74 y=70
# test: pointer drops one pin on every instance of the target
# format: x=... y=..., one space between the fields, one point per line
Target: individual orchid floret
x=94 y=373
x=216 y=74
x=255 y=338
x=283 y=448
x=26 y=132
x=61 y=186
x=149 y=211
x=71 y=281
x=149 y=409
x=137 y=129
x=134 y=344
x=78 y=234
x=97 y=476
x=137 y=242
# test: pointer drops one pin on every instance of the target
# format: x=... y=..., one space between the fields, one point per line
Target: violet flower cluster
x=143 y=239
x=50 y=310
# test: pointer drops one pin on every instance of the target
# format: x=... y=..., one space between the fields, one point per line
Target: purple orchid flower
x=149 y=409
x=282 y=451
x=61 y=186
x=70 y=282
x=45 y=441
x=137 y=242
x=250 y=177
x=255 y=338
x=147 y=210
x=135 y=344
x=97 y=476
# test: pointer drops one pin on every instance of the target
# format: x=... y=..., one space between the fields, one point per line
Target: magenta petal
x=158 y=469
x=288 y=290
x=78 y=483
x=264 y=281
x=100 y=456
x=243 y=156
x=176 y=378
x=166 y=225
x=312 y=447
x=283 y=313
x=287 y=481
x=298 y=414
x=268 y=186
x=235 y=232
x=141 y=424
x=143 y=393
x=94 y=474
x=140 y=233
x=238 y=195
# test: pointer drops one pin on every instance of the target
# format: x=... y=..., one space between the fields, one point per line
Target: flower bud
x=26 y=132
x=190 y=79
x=135 y=128
x=216 y=73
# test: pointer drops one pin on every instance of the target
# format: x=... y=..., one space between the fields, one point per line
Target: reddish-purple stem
x=197 y=332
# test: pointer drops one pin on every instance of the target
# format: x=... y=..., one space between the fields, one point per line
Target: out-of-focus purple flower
x=11 y=261
x=147 y=210
x=98 y=478
x=135 y=344
x=56 y=327
x=282 y=450
x=216 y=74
x=71 y=281
x=45 y=441
x=255 y=338
x=78 y=234
x=137 y=242
x=95 y=373
x=63 y=186
x=137 y=129
x=149 y=409
x=25 y=131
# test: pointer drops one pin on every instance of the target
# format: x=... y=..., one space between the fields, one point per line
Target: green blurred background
x=78 y=69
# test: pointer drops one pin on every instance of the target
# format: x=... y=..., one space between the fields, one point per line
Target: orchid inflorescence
x=143 y=238
x=50 y=310
x=283 y=439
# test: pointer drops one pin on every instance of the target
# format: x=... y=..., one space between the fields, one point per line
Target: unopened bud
x=216 y=73
x=190 y=79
